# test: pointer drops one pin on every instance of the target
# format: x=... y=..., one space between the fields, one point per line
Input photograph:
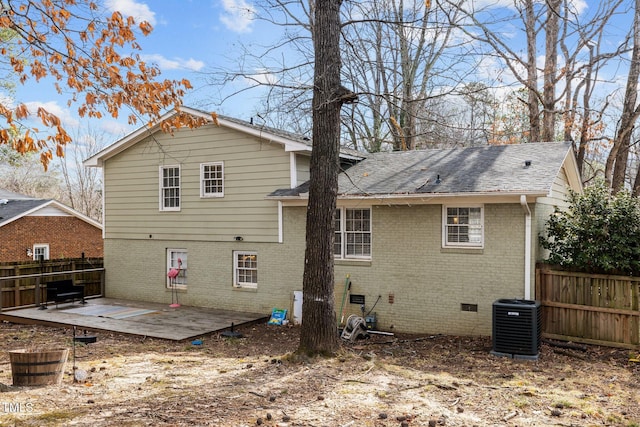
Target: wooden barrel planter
x=38 y=368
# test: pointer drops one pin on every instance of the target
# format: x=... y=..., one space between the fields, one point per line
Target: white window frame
x=39 y=246
x=237 y=281
x=163 y=207
x=203 y=180
x=342 y=234
x=172 y=262
x=445 y=227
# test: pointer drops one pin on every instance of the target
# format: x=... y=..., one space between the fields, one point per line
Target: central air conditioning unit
x=517 y=328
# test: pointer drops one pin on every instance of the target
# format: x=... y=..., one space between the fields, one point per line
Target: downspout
x=280 y=225
x=527 y=247
x=104 y=218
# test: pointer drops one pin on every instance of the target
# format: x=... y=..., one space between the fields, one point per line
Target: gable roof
x=290 y=141
x=14 y=208
x=517 y=169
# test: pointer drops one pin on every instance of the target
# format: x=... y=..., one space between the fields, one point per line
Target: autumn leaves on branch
x=82 y=52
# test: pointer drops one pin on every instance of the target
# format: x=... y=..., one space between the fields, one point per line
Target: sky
x=191 y=38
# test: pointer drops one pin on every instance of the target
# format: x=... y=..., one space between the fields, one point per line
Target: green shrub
x=598 y=232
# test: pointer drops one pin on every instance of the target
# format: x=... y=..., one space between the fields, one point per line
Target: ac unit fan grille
x=516 y=327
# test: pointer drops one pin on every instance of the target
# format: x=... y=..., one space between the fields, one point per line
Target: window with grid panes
x=245 y=268
x=353 y=233
x=170 y=188
x=177 y=259
x=212 y=179
x=463 y=226
x=41 y=251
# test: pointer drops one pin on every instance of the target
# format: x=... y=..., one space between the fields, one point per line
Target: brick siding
x=428 y=283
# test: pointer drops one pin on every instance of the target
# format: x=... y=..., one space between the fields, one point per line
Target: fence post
x=16 y=287
x=102 y=281
x=634 y=306
x=73 y=268
x=38 y=290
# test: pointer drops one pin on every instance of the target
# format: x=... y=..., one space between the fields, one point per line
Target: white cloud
x=173 y=64
x=578 y=6
x=139 y=11
x=113 y=127
x=261 y=76
x=481 y=4
x=237 y=15
x=193 y=65
x=7 y=100
x=65 y=116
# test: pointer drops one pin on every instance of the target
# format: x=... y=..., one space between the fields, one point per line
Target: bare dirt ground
x=381 y=381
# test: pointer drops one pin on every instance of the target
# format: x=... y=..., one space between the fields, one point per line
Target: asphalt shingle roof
x=290 y=135
x=485 y=169
x=16 y=207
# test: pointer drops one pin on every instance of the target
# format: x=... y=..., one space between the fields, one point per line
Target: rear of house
x=225 y=203
x=196 y=200
x=430 y=239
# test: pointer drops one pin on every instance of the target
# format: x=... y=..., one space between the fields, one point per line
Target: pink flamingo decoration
x=172 y=274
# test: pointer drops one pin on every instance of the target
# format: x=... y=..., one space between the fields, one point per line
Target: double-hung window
x=352 y=233
x=463 y=226
x=245 y=269
x=169 y=188
x=41 y=250
x=177 y=268
x=212 y=179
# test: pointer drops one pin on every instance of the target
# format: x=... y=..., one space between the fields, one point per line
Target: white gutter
x=527 y=247
x=512 y=194
x=293 y=170
x=104 y=218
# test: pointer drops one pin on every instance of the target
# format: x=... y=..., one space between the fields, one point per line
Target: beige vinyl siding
x=559 y=191
x=252 y=169
x=303 y=166
x=545 y=207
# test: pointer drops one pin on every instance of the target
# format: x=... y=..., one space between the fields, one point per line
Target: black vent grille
x=517 y=327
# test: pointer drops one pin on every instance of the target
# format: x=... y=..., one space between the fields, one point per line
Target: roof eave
x=57 y=205
x=25 y=213
x=572 y=170
x=98 y=159
x=289 y=145
x=422 y=196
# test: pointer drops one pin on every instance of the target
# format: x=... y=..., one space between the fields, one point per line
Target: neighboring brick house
x=31 y=227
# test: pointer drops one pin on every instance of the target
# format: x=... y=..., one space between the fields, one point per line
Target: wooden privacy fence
x=19 y=280
x=589 y=308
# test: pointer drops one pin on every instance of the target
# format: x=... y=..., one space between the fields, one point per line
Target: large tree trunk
x=319 y=334
x=616 y=166
x=586 y=125
x=532 y=73
x=550 y=65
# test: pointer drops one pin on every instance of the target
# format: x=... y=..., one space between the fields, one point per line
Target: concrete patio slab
x=134 y=317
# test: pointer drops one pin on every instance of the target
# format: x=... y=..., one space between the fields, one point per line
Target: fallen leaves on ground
x=399 y=380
